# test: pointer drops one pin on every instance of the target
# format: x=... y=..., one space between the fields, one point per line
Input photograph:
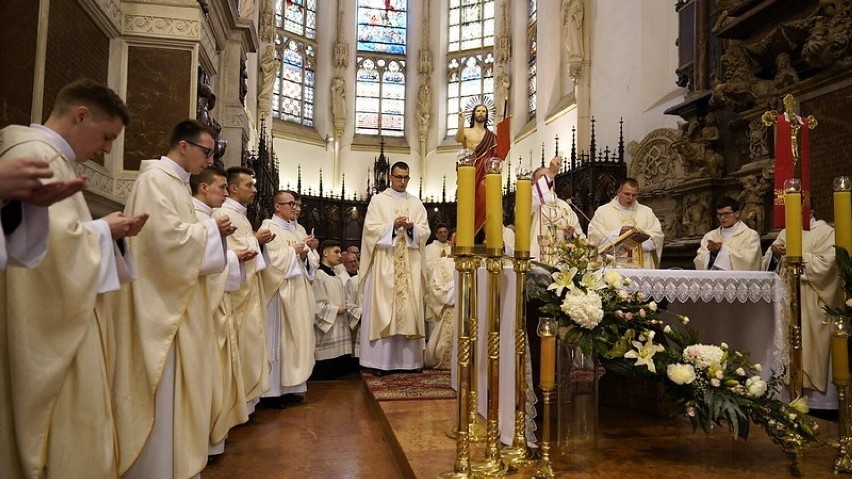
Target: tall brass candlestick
x=547 y=331
x=492 y=465
x=840 y=330
x=475 y=429
x=793 y=261
x=520 y=454
x=840 y=376
x=465 y=265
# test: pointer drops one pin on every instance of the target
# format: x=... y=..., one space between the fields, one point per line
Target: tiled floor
x=337 y=433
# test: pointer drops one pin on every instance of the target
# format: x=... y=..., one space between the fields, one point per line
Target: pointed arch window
x=381 y=68
x=470 y=59
x=532 y=58
x=295 y=45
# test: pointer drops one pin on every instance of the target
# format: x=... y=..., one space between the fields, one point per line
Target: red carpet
x=430 y=384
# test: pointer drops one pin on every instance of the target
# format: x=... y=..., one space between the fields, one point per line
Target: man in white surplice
x=334 y=336
x=393 y=240
x=733 y=246
x=625 y=212
x=820 y=287
x=162 y=402
x=552 y=216
x=291 y=309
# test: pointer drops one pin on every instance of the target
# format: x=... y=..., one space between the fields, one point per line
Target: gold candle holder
x=465 y=265
x=520 y=454
x=796 y=268
x=492 y=465
x=547 y=332
x=840 y=376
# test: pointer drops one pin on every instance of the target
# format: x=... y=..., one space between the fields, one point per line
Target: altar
x=746 y=309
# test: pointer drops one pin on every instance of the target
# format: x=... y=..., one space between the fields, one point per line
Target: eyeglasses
x=725 y=214
x=402 y=178
x=207 y=151
x=291 y=204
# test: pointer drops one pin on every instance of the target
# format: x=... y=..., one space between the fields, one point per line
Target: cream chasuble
x=229 y=396
x=56 y=415
x=392 y=326
x=431 y=253
x=607 y=222
x=291 y=309
x=550 y=216
x=247 y=301
x=334 y=337
x=170 y=333
x=820 y=287
x=441 y=300
x=740 y=249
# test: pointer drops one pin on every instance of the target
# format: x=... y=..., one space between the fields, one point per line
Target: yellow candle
x=464 y=206
x=843 y=219
x=548 y=362
x=493 y=211
x=523 y=215
x=840 y=360
x=793 y=223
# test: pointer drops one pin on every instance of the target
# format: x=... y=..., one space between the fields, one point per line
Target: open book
x=630 y=239
x=627 y=248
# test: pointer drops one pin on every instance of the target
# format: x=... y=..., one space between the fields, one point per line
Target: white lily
x=644 y=352
x=562 y=279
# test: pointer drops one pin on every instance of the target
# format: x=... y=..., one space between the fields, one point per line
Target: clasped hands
x=402 y=222
x=778 y=249
x=714 y=246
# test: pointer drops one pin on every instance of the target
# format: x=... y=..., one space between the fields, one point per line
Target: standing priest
x=394 y=237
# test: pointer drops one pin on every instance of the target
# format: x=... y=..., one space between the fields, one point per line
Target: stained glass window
x=380 y=97
x=532 y=58
x=470 y=61
x=295 y=45
x=380 y=70
x=471 y=24
x=382 y=26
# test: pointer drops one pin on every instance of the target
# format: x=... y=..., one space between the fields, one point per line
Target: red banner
x=504 y=139
x=784 y=169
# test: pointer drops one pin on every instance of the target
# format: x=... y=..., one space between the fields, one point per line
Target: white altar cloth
x=747 y=309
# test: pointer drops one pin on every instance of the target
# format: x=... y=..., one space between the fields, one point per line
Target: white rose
x=652 y=305
x=849 y=302
x=740 y=372
x=680 y=373
x=715 y=383
x=667 y=329
x=756 y=386
x=757 y=367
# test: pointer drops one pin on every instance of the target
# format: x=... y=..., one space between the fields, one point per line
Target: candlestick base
x=545 y=467
x=519 y=456
x=843 y=461
x=489 y=467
